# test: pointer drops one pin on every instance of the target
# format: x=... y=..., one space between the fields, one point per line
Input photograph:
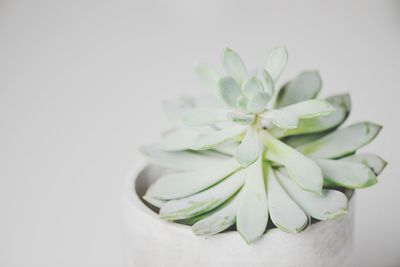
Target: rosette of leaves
x=255 y=154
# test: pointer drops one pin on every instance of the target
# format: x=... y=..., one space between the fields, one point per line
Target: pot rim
x=144 y=209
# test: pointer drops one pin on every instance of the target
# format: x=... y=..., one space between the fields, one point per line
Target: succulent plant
x=253 y=153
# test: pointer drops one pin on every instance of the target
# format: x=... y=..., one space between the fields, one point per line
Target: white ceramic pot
x=152 y=242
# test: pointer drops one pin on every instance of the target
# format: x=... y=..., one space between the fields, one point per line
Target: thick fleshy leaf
x=304 y=87
x=242 y=102
x=173 y=159
x=227 y=148
x=252 y=215
x=328 y=205
x=342 y=142
x=342 y=100
x=281 y=118
x=195 y=219
x=204 y=201
x=267 y=82
x=229 y=90
x=204 y=116
x=207 y=75
x=179 y=185
x=346 y=174
x=276 y=62
x=233 y=65
x=183 y=138
x=241 y=118
x=225 y=124
x=309 y=126
x=310 y=108
x=218 y=221
x=301 y=169
x=209 y=140
x=342 y=105
x=376 y=163
x=252 y=86
x=250 y=147
x=258 y=102
x=298 y=140
x=283 y=210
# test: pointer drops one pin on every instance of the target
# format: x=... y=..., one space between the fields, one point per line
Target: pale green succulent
x=258 y=154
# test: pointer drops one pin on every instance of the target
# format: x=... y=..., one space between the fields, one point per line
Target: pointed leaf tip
x=305 y=86
x=203 y=201
x=328 y=205
x=218 y=221
x=277 y=61
x=233 y=65
x=284 y=211
x=342 y=142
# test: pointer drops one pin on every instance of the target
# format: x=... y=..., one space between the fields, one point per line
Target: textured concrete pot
x=152 y=242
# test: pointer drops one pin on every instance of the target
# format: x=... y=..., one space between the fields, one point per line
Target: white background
x=81 y=85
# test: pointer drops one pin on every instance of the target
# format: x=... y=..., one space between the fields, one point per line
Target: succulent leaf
x=219 y=220
x=376 y=163
x=252 y=86
x=250 y=147
x=233 y=65
x=342 y=100
x=183 y=138
x=267 y=82
x=258 y=102
x=276 y=62
x=209 y=140
x=229 y=91
x=242 y=102
x=342 y=142
x=346 y=173
x=342 y=106
x=194 y=160
x=310 y=108
x=304 y=87
x=252 y=215
x=184 y=184
x=309 y=126
x=283 y=210
x=227 y=148
x=207 y=75
x=204 y=201
x=328 y=205
x=301 y=169
x=281 y=118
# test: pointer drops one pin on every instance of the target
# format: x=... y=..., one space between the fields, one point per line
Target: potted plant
x=252 y=177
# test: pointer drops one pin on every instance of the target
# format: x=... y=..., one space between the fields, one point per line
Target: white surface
x=80 y=88
x=324 y=244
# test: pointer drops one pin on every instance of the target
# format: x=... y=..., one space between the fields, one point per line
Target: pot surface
x=152 y=242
